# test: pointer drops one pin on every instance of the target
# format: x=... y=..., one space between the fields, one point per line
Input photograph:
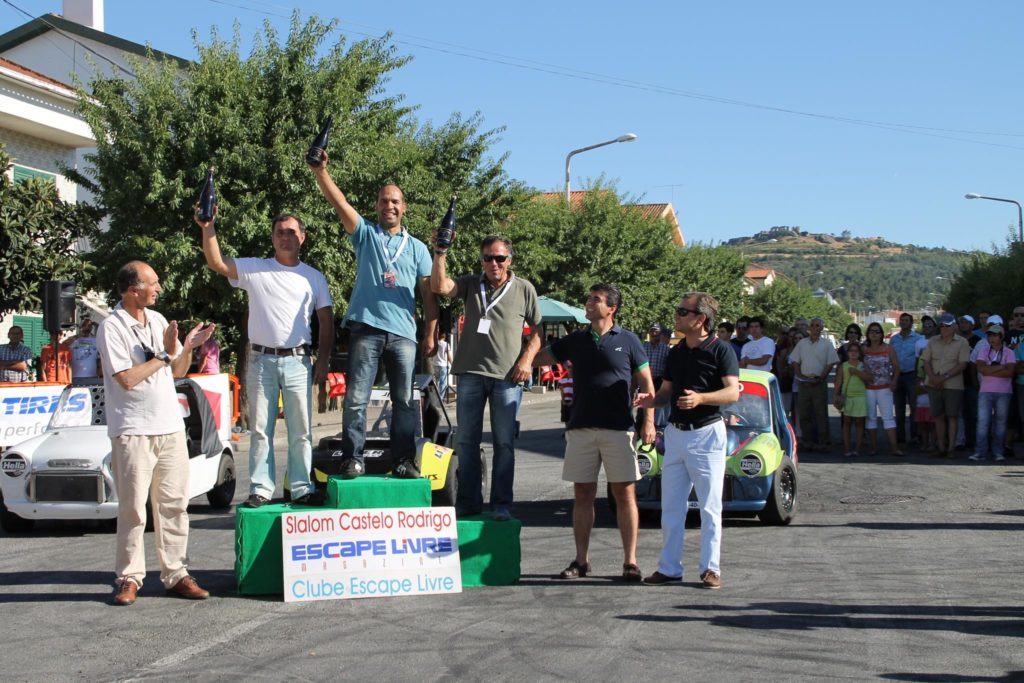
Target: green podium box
x=377 y=491
x=489 y=551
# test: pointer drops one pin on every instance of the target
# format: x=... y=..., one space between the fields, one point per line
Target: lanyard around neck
x=389 y=260
x=483 y=295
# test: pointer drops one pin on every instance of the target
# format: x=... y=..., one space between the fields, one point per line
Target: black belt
x=690 y=426
x=909 y=372
x=296 y=351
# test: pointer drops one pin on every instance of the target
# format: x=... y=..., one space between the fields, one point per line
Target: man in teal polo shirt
x=390 y=265
x=606 y=361
x=491 y=363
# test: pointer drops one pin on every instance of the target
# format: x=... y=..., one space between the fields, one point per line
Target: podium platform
x=489 y=551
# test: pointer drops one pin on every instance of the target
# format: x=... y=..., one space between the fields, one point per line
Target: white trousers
x=693 y=460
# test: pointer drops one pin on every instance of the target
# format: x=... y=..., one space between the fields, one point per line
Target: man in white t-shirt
x=85 y=356
x=758 y=352
x=142 y=356
x=284 y=293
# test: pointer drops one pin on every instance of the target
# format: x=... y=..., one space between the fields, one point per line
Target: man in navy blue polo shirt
x=606 y=360
x=702 y=374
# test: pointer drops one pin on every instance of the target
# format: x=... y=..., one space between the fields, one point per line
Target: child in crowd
x=850 y=397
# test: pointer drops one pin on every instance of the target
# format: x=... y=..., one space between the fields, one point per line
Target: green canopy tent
x=554 y=311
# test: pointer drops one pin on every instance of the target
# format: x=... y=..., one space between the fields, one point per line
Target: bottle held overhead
x=316 y=150
x=446 y=231
x=207 y=197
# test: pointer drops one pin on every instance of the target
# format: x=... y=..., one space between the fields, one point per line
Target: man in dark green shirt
x=491 y=363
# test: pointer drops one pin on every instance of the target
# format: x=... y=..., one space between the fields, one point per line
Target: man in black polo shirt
x=702 y=374
x=605 y=360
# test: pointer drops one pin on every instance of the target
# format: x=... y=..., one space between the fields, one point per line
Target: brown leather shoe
x=711 y=579
x=188 y=589
x=125 y=592
x=659 y=579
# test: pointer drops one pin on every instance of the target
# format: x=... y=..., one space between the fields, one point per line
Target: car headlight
x=14 y=465
x=751 y=464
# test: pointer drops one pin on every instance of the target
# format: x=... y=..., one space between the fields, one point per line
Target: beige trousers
x=154 y=468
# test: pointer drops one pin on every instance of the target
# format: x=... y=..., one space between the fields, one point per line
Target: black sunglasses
x=682 y=311
x=500 y=258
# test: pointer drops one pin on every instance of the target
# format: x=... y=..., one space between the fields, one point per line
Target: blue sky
x=944 y=74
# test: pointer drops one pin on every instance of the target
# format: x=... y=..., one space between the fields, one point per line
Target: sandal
x=631 y=573
x=575 y=570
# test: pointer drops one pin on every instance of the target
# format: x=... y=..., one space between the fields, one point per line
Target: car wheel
x=12 y=523
x=221 y=495
x=445 y=496
x=781 y=507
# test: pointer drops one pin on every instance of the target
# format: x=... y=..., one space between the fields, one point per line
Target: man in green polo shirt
x=491 y=363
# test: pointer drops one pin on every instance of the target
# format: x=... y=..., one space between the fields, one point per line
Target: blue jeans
x=441 y=377
x=267 y=378
x=504 y=398
x=367 y=346
x=988 y=403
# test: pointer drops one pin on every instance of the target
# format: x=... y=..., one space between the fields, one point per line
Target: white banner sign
x=25 y=410
x=381 y=552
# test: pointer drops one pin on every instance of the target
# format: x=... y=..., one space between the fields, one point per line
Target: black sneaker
x=406 y=469
x=352 y=469
x=314 y=499
x=255 y=501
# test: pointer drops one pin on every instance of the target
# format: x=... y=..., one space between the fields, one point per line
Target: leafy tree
x=994 y=283
x=783 y=302
x=38 y=233
x=564 y=251
x=252 y=118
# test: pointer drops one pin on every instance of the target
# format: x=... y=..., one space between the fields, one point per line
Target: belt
x=296 y=351
x=909 y=372
x=690 y=426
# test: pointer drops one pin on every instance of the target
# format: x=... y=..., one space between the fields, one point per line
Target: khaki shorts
x=587 y=449
x=945 y=402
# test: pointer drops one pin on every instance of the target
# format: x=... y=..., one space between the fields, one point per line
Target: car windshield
x=752 y=410
x=75 y=408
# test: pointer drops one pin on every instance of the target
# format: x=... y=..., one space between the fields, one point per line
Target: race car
x=65 y=472
x=761 y=465
x=435 y=437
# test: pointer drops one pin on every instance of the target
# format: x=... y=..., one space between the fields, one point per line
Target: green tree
x=252 y=118
x=564 y=251
x=784 y=301
x=38 y=233
x=993 y=283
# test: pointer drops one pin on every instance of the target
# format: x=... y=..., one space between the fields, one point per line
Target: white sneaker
x=977 y=457
x=1000 y=457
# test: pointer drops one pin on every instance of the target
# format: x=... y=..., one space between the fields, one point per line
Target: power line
x=579 y=74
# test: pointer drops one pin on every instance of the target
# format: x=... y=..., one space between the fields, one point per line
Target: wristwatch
x=164 y=356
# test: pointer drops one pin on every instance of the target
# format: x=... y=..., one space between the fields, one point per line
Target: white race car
x=65 y=472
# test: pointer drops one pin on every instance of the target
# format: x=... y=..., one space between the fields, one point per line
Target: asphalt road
x=894 y=569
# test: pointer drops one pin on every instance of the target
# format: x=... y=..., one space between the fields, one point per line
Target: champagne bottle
x=446 y=231
x=207 y=198
x=316 y=150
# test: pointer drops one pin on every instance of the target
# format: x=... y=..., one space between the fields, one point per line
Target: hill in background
x=861 y=272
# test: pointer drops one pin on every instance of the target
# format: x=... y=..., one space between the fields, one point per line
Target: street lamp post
x=628 y=137
x=1020 y=212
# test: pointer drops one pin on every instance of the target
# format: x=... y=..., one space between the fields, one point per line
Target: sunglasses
x=682 y=311
x=500 y=258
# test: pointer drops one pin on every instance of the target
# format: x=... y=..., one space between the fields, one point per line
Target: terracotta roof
x=652 y=210
x=758 y=273
x=25 y=71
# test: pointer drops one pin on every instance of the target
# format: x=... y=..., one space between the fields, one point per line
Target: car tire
x=221 y=495
x=781 y=506
x=12 y=523
x=445 y=496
